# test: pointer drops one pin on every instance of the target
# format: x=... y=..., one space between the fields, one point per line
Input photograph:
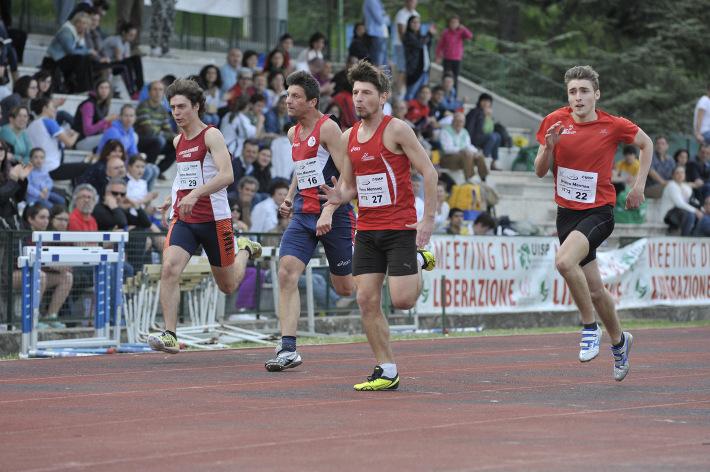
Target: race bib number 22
x=576 y=185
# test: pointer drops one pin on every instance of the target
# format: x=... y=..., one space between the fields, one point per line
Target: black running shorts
x=596 y=224
x=392 y=252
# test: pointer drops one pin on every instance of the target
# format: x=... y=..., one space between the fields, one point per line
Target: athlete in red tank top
x=383 y=181
x=381 y=150
x=578 y=143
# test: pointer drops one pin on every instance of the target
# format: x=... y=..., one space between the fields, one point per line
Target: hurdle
x=108 y=277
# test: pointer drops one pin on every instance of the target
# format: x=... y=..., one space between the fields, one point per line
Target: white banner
x=499 y=274
x=228 y=8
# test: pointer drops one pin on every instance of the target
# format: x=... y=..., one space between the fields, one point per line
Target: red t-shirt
x=79 y=222
x=416 y=110
x=584 y=157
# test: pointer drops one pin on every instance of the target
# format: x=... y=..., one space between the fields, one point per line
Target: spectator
x=703 y=226
x=437 y=110
x=243 y=87
x=112 y=212
x=701 y=118
x=155 y=134
x=39 y=183
x=111 y=165
x=361 y=43
x=13 y=184
x=68 y=53
x=456 y=225
x=277 y=117
x=23 y=92
x=261 y=87
x=450 y=102
x=15 y=134
x=211 y=82
x=442 y=207
x=262 y=169
x=316 y=46
x=130 y=11
x=377 y=23
x=255 y=114
x=699 y=172
x=678 y=213
x=343 y=98
x=481 y=128
x=44 y=132
x=626 y=170
x=661 y=171
x=274 y=62
x=58 y=218
x=162 y=22
x=5 y=89
x=484 y=225
x=247 y=186
x=93 y=117
x=265 y=214
x=84 y=200
x=92 y=37
x=281 y=162
x=285 y=45
x=400 y=19
x=117 y=49
x=416 y=53
x=459 y=153
x=122 y=130
x=229 y=71
x=237 y=128
x=250 y=61
x=418 y=109
x=44 y=89
x=237 y=224
x=60 y=279
x=681 y=158
x=136 y=186
x=450 y=47
x=417 y=191
x=276 y=90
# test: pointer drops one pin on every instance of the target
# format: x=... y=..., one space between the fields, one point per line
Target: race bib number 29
x=576 y=185
x=189 y=175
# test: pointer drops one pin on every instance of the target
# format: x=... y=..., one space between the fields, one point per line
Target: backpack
x=468 y=196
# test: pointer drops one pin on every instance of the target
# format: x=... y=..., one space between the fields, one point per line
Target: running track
x=493 y=403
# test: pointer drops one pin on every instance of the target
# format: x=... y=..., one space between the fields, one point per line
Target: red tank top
x=313 y=167
x=383 y=181
x=195 y=166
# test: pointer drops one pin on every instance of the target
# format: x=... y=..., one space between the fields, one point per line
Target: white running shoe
x=621 y=357
x=589 y=346
x=283 y=360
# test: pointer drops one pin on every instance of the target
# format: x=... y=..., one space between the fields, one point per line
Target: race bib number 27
x=576 y=185
x=373 y=190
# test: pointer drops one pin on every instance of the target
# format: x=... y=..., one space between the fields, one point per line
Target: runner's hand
x=165 y=209
x=186 y=204
x=552 y=137
x=331 y=194
x=285 y=209
x=424 y=229
x=325 y=222
x=634 y=198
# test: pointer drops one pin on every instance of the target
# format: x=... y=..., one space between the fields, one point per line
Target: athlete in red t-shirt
x=579 y=143
x=381 y=151
x=201 y=214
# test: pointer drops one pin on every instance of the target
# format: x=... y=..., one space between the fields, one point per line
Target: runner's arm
x=635 y=197
x=545 y=156
x=346 y=183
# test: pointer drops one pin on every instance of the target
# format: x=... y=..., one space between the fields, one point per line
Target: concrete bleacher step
x=181 y=62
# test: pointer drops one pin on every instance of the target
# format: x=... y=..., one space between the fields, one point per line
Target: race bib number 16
x=576 y=185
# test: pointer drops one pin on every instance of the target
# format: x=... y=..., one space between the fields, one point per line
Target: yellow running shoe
x=165 y=342
x=377 y=381
x=429 y=259
x=252 y=247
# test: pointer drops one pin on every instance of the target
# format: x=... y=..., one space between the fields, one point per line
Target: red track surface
x=497 y=403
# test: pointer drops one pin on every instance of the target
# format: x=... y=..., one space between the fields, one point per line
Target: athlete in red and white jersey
x=318 y=153
x=200 y=212
x=579 y=143
x=381 y=150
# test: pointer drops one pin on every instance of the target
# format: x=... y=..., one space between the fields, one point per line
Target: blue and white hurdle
x=108 y=279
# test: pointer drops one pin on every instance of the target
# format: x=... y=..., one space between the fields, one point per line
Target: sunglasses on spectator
x=118 y=194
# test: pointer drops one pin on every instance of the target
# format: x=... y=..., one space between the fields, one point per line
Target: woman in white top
x=676 y=211
x=442 y=207
x=316 y=45
x=211 y=82
x=236 y=126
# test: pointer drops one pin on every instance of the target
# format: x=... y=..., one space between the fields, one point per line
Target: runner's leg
x=603 y=302
x=571 y=253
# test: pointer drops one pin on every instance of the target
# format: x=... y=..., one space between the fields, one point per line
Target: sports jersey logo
x=355 y=149
x=367 y=157
x=569 y=130
x=604 y=131
x=312 y=141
